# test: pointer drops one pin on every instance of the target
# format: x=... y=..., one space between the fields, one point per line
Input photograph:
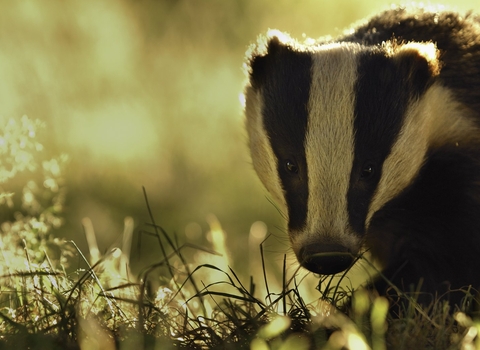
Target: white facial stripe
x=453 y=123
x=436 y=119
x=264 y=160
x=329 y=144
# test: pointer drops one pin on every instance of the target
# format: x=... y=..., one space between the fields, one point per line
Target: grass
x=53 y=296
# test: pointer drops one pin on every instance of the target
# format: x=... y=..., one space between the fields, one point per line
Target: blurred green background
x=147 y=93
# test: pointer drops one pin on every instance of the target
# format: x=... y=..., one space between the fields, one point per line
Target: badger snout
x=325 y=259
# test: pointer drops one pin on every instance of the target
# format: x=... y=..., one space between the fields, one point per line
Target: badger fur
x=371 y=142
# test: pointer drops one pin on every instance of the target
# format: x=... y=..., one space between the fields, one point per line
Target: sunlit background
x=146 y=93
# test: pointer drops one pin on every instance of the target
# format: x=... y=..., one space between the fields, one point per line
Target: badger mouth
x=325 y=259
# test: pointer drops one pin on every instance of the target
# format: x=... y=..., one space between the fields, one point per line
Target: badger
x=371 y=142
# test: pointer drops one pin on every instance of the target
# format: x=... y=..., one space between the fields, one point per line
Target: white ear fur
x=427 y=51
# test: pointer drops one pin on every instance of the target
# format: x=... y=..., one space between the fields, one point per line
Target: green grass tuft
x=53 y=296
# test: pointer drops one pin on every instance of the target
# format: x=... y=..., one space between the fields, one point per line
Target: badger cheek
x=385 y=240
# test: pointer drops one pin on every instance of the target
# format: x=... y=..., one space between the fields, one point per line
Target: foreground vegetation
x=53 y=296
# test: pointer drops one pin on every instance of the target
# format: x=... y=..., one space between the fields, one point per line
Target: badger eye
x=367 y=171
x=291 y=167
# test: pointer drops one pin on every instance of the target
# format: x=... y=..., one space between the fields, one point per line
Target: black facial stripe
x=384 y=89
x=285 y=89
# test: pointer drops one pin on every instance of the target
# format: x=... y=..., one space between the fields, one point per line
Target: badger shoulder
x=448 y=28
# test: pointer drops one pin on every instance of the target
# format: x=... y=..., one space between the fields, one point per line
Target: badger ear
x=263 y=53
x=419 y=62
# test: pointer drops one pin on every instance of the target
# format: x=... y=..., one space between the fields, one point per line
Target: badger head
x=338 y=130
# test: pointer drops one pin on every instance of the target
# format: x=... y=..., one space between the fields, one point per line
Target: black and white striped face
x=338 y=130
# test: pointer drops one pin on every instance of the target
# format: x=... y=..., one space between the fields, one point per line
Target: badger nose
x=325 y=259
